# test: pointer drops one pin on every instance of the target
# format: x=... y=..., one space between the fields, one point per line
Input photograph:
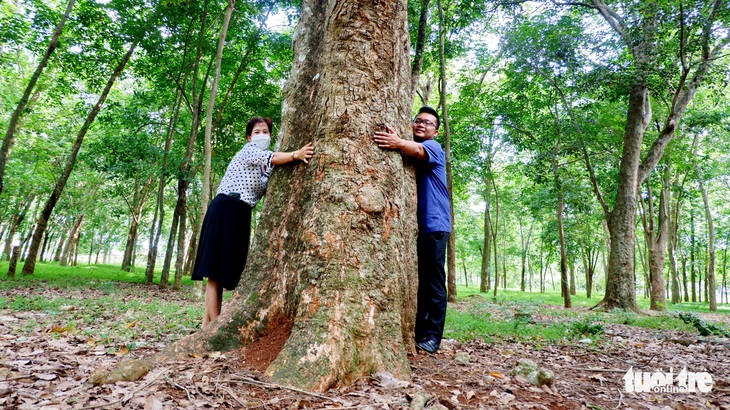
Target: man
x=434 y=222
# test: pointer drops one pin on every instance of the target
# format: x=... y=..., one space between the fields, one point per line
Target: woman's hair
x=255 y=120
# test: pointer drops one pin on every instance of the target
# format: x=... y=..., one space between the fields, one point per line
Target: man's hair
x=255 y=120
x=429 y=110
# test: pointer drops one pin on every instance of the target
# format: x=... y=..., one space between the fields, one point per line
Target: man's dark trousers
x=431 y=312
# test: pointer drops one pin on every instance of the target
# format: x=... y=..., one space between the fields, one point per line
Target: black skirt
x=224 y=240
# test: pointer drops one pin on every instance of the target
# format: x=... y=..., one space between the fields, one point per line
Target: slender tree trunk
x=571 y=268
x=47 y=237
x=564 y=280
x=673 y=237
x=186 y=171
x=42 y=222
x=710 y=275
x=451 y=246
x=165 y=275
x=656 y=243
x=693 y=276
x=493 y=228
x=9 y=139
x=129 y=248
x=15 y=222
x=73 y=237
x=59 y=247
x=525 y=247
x=484 y=284
x=206 y=150
x=181 y=255
x=684 y=279
x=91 y=247
x=658 y=251
x=419 y=48
x=347 y=311
x=156 y=232
x=211 y=107
x=724 y=269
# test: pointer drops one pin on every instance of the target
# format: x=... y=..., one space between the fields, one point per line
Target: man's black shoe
x=429 y=346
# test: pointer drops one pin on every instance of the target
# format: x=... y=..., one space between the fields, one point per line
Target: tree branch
x=614 y=20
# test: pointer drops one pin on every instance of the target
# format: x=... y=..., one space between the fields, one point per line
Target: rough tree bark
x=333 y=263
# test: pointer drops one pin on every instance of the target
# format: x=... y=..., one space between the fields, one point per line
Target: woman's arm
x=304 y=153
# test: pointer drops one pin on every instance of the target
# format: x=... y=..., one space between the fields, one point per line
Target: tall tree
x=643 y=28
x=419 y=47
x=710 y=275
x=451 y=251
x=312 y=276
x=9 y=139
x=42 y=221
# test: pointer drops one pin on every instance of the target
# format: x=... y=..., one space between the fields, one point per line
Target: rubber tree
x=332 y=266
x=643 y=29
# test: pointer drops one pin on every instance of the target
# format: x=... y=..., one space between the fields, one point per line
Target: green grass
x=129 y=316
x=511 y=316
x=116 y=314
x=82 y=276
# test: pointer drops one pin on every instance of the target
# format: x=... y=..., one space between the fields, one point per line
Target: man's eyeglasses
x=425 y=123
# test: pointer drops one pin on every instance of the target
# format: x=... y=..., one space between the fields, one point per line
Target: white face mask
x=261 y=140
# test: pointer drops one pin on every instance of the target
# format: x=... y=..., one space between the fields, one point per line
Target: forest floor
x=46 y=359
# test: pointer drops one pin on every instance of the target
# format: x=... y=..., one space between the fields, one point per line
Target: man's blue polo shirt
x=434 y=212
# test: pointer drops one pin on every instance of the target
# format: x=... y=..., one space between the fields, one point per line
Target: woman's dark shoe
x=429 y=346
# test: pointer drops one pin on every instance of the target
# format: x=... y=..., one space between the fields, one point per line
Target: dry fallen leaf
x=152 y=403
x=497 y=375
x=45 y=376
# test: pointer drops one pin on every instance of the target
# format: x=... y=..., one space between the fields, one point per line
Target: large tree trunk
x=42 y=222
x=333 y=262
x=9 y=139
x=620 y=291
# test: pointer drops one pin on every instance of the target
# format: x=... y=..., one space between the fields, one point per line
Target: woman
x=226 y=230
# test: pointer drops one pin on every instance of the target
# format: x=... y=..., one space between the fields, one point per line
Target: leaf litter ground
x=45 y=364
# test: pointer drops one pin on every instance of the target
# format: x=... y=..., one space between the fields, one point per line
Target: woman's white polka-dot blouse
x=248 y=174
